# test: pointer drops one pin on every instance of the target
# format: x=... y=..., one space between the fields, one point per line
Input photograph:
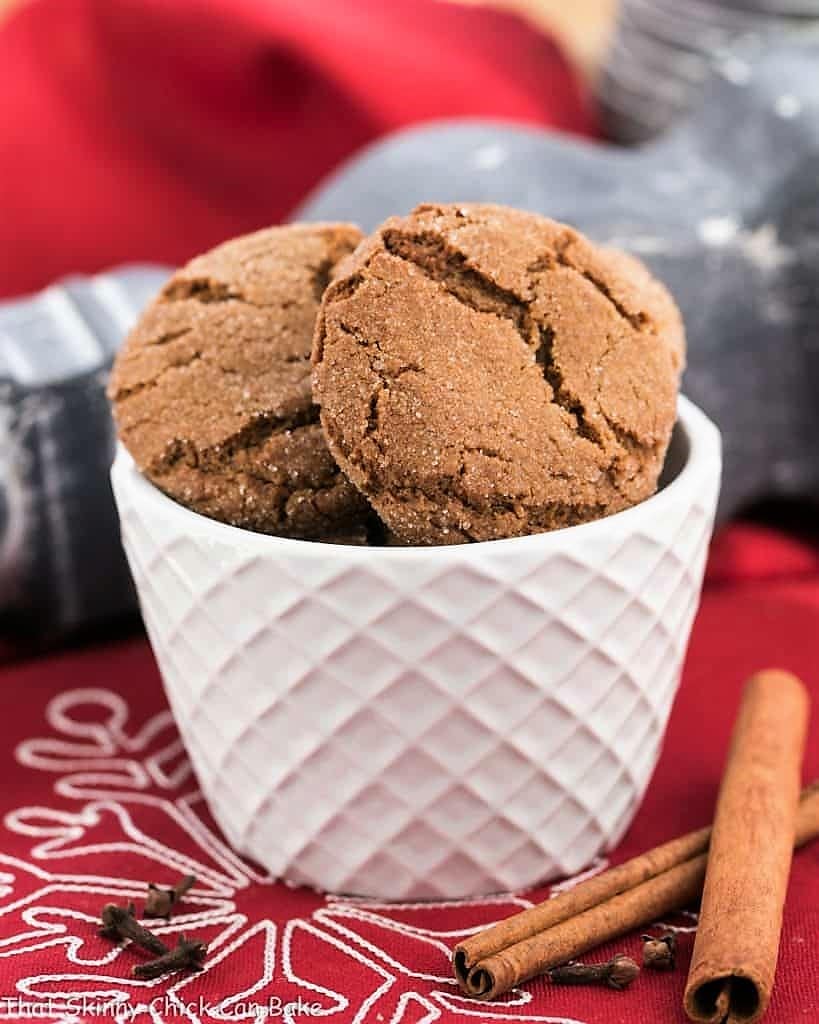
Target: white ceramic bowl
x=425 y=722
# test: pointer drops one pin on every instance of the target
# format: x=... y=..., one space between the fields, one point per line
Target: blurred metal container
x=663 y=51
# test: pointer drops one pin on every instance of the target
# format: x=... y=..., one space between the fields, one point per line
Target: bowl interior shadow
x=676 y=457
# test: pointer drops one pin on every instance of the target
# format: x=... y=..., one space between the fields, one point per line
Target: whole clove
x=120 y=923
x=160 y=902
x=188 y=955
x=618 y=973
x=659 y=951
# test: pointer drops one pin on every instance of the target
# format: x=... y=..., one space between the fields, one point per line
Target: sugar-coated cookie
x=484 y=372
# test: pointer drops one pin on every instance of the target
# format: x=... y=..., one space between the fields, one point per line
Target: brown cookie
x=484 y=372
x=212 y=395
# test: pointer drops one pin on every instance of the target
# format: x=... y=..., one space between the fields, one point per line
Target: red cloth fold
x=153 y=129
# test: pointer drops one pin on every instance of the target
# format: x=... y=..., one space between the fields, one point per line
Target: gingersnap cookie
x=212 y=395
x=484 y=372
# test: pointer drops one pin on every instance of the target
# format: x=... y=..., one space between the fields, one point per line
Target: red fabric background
x=150 y=129
x=153 y=129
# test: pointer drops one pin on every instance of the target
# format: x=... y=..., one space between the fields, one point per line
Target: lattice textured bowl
x=425 y=722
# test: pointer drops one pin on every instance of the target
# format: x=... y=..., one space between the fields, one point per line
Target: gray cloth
x=61 y=563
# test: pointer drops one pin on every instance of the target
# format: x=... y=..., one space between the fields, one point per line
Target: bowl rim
x=700 y=433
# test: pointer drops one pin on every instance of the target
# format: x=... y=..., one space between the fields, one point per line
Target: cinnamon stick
x=670 y=890
x=535 y=920
x=628 y=896
x=749 y=860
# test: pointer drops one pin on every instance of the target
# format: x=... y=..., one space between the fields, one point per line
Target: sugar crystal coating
x=484 y=372
x=211 y=391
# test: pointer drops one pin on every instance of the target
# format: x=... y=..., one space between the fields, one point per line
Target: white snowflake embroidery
x=124 y=795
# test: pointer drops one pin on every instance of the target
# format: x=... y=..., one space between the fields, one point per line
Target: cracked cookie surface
x=484 y=372
x=211 y=390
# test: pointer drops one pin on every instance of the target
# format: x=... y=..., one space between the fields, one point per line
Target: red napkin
x=152 y=129
x=97 y=798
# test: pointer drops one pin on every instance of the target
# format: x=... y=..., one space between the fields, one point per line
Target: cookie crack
x=486 y=452
x=442 y=263
x=321 y=278
x=168 y=336
x=371 y=428
x=562 y=396
x=475 y=290
x=121 y=394
x=265 y=424
x=472 y=288
x=627 y=440
x=208 y=291
x=219 y=457
x=346 y=287
x=430 y=254
x=312 y=497
x=639 y=321
x=201 y=289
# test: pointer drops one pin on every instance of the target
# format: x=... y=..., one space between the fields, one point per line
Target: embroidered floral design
x=124 y=801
